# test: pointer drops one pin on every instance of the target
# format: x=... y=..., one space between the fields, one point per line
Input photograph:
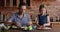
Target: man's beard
x=20 y=12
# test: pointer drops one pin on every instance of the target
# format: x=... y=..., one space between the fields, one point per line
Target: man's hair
x=21 y=4
x=19 y=7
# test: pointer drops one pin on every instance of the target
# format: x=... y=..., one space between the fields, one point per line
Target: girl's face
x=43 y=11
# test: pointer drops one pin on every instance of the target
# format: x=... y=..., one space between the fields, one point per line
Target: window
x=21 y=1
x=1 y=3
x=14 y=3
x=8 y=3
x=28 y=2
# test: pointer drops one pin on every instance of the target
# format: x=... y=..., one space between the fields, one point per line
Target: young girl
x=43 y=17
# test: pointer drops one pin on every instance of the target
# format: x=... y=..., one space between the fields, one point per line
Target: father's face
x=23 y=9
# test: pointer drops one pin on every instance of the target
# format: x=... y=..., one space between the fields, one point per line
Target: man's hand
x=29 y=23
x=18 y=24
x=6 y=22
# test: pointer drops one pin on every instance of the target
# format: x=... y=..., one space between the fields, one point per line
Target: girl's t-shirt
x=42 y=19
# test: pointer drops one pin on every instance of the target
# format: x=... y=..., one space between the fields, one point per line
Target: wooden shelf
x=55 y=22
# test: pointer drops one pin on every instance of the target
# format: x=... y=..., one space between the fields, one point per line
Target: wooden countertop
x=55 y=22
x=52 y=30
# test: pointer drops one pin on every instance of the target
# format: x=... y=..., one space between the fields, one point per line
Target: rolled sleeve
x=29 y=20
x=11 y=18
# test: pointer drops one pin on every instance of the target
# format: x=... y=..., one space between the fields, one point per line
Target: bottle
x=34 y=27
x=59 y=19
x=51 y=19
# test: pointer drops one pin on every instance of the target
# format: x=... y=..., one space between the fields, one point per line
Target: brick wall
x=53 y=7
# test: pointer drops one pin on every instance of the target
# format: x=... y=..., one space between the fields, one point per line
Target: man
x=21 y=18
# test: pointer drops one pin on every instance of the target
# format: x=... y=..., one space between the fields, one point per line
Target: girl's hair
x=41 y=6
